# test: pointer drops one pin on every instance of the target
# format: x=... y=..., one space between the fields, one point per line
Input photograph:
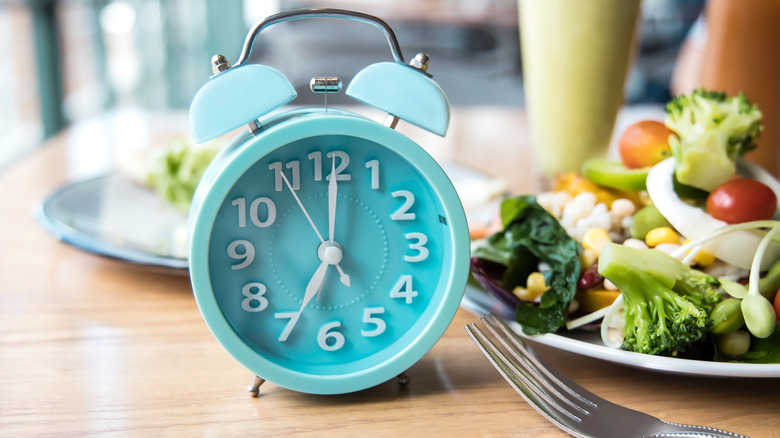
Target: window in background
x=69 y=60
x=82 y=58
x=20 y=122
x=151 y=54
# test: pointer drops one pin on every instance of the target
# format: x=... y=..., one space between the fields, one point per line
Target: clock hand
x=332 y=195
x=344 y=277
x=332 y=198
x=312 y=289
x=314 y=285
x=303 y=209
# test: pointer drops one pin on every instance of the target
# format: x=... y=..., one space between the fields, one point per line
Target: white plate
x=112 y=216
x=588 y=343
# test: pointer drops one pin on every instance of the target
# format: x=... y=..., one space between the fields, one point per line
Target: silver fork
x=564 y=403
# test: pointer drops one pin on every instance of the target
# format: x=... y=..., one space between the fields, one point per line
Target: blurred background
x=70 y=60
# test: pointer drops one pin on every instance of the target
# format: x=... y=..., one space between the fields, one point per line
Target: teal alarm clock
x=328 y=252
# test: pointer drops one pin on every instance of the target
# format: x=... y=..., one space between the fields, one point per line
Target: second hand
x=303 y=209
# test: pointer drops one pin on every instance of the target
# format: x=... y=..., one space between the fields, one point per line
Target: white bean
x=622 y=207
x=635 y=243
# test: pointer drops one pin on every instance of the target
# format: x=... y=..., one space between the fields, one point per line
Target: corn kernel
x=660 y=235
x=587 y=258
x=535 y=284
x=523 y=293
x=703 y=258
x=595 y=238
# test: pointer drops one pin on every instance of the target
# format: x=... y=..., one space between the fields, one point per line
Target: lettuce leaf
x=530 y=236
x=177 y=170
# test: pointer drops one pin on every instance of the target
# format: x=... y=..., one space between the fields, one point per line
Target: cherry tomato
x=644 y=144
x=742 y=200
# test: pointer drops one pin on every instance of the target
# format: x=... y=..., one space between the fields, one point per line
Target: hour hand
x=314 y=286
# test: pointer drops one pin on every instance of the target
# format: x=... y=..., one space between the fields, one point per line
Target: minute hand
x=333 y=190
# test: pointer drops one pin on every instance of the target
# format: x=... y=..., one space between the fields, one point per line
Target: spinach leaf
x=531 y=235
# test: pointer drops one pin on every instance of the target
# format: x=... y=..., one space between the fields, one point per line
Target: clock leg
x=254 y=388
x=403 y=379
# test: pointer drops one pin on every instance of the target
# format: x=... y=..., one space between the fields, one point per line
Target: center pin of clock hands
x=344 y=277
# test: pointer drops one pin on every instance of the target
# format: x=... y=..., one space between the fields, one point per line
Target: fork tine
x=542 y=371
x=536 y=397
x=518 y=350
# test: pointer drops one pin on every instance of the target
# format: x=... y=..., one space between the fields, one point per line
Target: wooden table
x=94 y=346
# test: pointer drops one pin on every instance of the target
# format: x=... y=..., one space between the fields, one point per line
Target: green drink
x=575 y=57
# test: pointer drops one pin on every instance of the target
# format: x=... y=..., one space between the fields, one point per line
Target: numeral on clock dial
x=242 y=250
x=317 y=158
x=418 y=245
x=373 y=166
x=370 y=318
x=328 y=338
x=341 y=165
x=254 y=301
x=294 y=166
x=293 y=316
x=403 y=289
x=254 y=211
x=402 y=214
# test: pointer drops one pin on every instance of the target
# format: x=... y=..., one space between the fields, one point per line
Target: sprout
x=758 y=312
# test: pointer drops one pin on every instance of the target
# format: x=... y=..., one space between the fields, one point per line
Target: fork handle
x=690 y=430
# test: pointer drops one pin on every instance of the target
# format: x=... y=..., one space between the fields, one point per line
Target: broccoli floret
x=702 y=289
x=714 y=130
x=667 y=303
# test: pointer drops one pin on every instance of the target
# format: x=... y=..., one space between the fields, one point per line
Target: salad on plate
x=673 y=251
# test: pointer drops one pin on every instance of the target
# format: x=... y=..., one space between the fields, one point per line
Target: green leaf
x=531 y=235
x=513 y=207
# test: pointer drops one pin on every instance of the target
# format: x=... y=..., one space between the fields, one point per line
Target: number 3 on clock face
x=329 y=258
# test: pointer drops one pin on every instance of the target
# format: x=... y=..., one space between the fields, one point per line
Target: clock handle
x=282 y=17
x=225 y=102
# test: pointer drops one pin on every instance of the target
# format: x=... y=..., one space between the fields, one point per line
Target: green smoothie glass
x=575 y=57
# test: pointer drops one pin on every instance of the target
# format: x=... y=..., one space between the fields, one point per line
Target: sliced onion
x=737 y=248
x=614 y=319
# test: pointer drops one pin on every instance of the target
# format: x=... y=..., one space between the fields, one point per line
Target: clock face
x=334 y=261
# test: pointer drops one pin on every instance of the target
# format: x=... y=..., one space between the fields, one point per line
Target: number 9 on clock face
x=332 y=262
